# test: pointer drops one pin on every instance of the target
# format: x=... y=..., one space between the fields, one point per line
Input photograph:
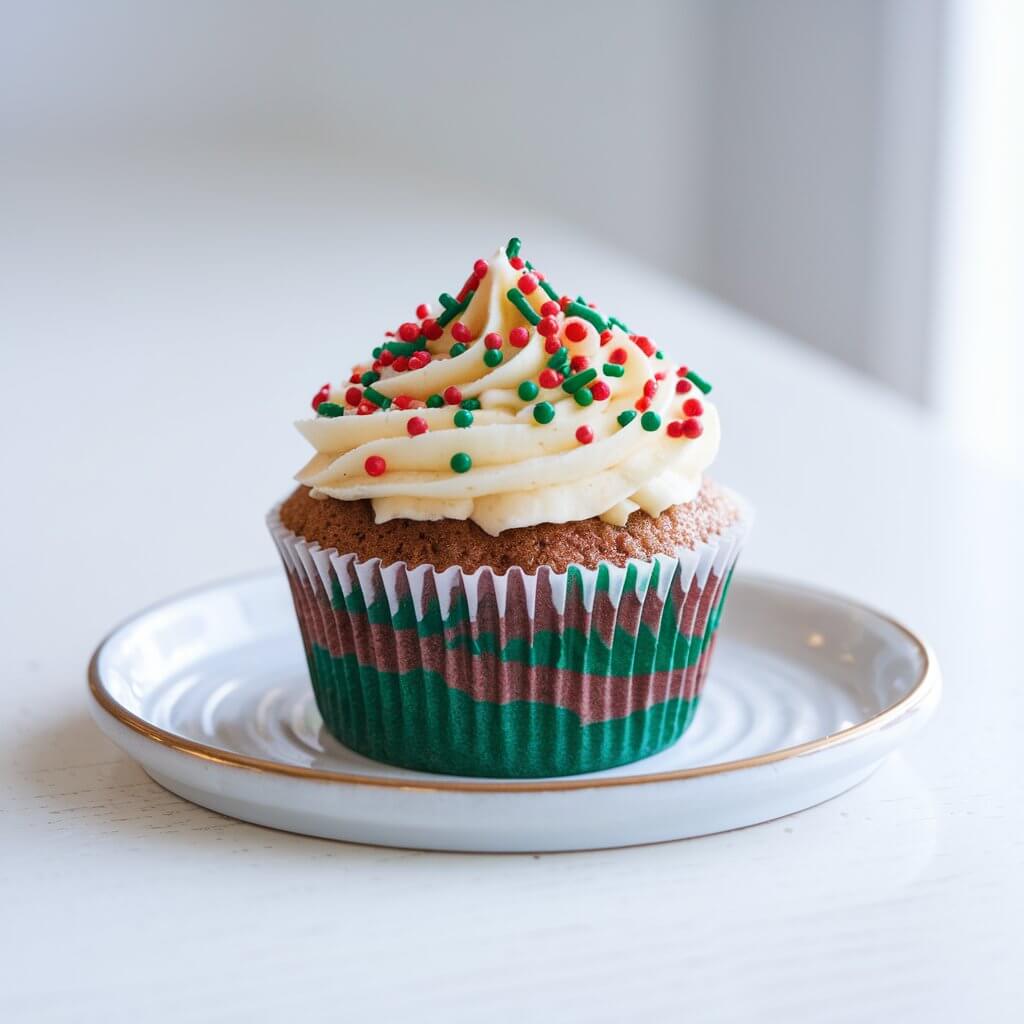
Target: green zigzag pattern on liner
x=415 y=720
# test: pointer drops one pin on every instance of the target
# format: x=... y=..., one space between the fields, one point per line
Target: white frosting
x=523 y=472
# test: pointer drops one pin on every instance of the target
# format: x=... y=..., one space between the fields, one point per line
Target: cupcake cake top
x=512 y=405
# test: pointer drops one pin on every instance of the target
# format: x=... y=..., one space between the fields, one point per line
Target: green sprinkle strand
x=446 y=300
x=370 y=377
x=659 y=354
x=613 y=370
x=463 y=418
x=626 y=417
x=582 y=301
x=330 y=409
x=584 y=396
x=549 y=291
x=518 y=299
x=528 y=391
x=650 y=420
x=513 y=247
x=401 y=348
x=472 y=404
x=578 y=380
x=543 y=412
x=457 y=349
x=435 y=402
x=452 y=309
x=559 y=359
x=577 y=308
x=697 y=379
x=372 y=395
x=461 y=462
x=618 y=323
x=493 y=356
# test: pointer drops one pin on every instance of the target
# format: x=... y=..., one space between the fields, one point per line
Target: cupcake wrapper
x=507 y=675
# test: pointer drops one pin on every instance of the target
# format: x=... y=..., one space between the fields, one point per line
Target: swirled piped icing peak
x=512 y=405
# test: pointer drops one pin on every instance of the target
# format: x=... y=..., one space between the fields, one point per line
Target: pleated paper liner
x=511 y=675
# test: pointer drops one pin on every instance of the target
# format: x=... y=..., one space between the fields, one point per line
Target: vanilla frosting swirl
x=522 y=471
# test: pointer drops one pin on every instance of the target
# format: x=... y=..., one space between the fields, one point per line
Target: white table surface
x=161 y=323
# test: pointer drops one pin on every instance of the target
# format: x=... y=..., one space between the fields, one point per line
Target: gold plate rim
x=927 y=685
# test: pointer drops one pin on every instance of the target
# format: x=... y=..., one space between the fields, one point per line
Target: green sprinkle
x=699 y=381
x=584 y=396
x=559 y=358
x=463 y=418
x=401 y=348
x=518 y=299
x=528 y=265
x=330 y=409
x=376 y=397
x=613 y=370
x=446 y=300
x=549 y=291
x=618 y=323
x=472 y=404
x=461 y=462
x=579 y=380
x=650 y=420
x=370 y=377
x=543 y=412
x=457 y=349
x=578 y=308
x=528 y=391
x=452 y=308
x=376 y=352
x=626 y=417
x=659 y=354
x=582 y=301
x=493 y=356
x=435 y=402
x=513 y=247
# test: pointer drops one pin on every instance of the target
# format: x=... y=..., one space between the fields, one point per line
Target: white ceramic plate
x=807 y=695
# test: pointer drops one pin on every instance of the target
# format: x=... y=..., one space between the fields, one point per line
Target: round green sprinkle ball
x=463 y=418
x=370 y=377
x=493 y=356
x=472 y=404
x=461 y=462
x=528 y=391
x=435 y=402
x=457 y=349
x=330 y=409
x=543 y=412
x=650 y=420
x=377 y=352
x=626 y=417
x=584 y=396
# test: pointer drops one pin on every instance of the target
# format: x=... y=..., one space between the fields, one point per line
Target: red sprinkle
x=518 y=337
x=660 y=375
x=452 y=395
x=460 y=332
x=422 y=311
x=584 y=434
x=387 y=357
x=620 y=355
x=692 y=407
x=642 y=404
x=432 y=330
x=575 y=330
x=376 y=365
x=550 y=378
x=527 y=284
x=606 y=336
x=409 y=332
x=550 y=308
x=600 y=390
x=548 y=326
x=675 y=428
x=552 y=345
x=402 y=401
x=401 y=364
x=375 y=465
x=321 y=396
x=480 y=268
x=417 y=361
x=493 y=340
x=578 y=363
x=692 y=428
x=417 y=425
x=471 y=283
x=564 y=301
x=517 y=262
x=356 y=377
x=682 y=371
x=354 y=396
x=645 y=344
x=682 y=386
x=650 y=388
x=366 y=408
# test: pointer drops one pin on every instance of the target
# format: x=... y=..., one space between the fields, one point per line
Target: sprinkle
x=463 y=418
x=513 y=247
x=699 y=381
x=584 y=396
x=447 y=300
x=642 y=404
x=354 y=396
x=460 y=332
x=432 y=330
x=644 y=343
x=461 y=462
x=659 y=354
x=417 y=425
x=480 y=268
x=452 y=395
x=618 y=323
x=330 y=409
x=418 y=360
x=650 y=421
x=682 y=386
x=517 y=263
x=578 y=308
x=422 y=311
x=548 y=327
x=516 y=297
x=692 y=428
x=549 y=291
x=472 y=404
x=650 y=388
x=372 y=395
x=543 y=412
x=435 y=402
x=356 y=375
x=518 y=337
x=613 y=370
x=619 y=355
x=560 y=359
x=682 y=371
x=401 y=364
x=575 y=331
x=457 y=349
x=528 y=391
x=370 y=377
x=606 y=336
x=552 y=345
x=584 y=434
x=493 y=340
x=409 y=331
x=675 y=428
x=365 y=408
x=578 y=380
x=578 y=363
x=375 y=465
x=692 y=407
x=376 y=352
x=386 y=358
x=452 y=308
x=493 y=356
x=321 y=396
x=527 y=284
x=550 y=308
x=626 y=417
x=550 y=378
x=399 y=348
x=402 y=401
x=600 y=390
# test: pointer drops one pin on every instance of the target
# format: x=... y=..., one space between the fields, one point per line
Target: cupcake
x=505 y=556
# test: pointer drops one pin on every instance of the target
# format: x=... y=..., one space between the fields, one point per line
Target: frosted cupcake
x=504 y=554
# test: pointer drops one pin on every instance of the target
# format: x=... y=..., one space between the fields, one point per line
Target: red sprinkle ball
x=584 y=434
x=650 y=388
x=416 y=425
x=675 y=428
x=620 y=355
x=321 y=396
x=692 y=428
x=480 y=268
x=682 y=386
x=401 y=364
x=578 y=364
x=493 y=340
x=357 y=376
x=575 y=330
x=550 y=378
x=527 y=284
x=645 y=344
x=600 y=390
x=452 y=395
x=387 y=357
x=409 y=331
x=692 y=407
x=366 y=408
x=432 y=330
x=517 y=262
x=548 y=327
x=552 y=345
x=354 y=395
x=564 y=302
x=682 y=371
x=422 y=311
x=606 y=336
x=518 y=337
x=418 y=360
x=402 y=401
x=375 y=465
x=642 y=404
x=550 y=308
x=460 y=332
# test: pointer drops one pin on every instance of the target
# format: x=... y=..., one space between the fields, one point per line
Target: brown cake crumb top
x=349 y=527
